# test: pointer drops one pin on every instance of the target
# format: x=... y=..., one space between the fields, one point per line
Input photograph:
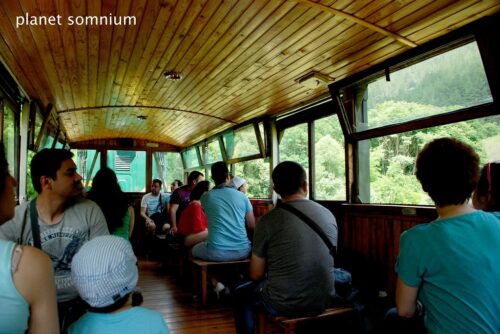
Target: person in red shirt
x=193 y=223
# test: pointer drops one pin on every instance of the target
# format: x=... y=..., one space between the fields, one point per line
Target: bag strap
x=35 y=228
x=315 y=227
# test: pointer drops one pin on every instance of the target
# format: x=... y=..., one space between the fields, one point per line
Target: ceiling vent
x=314 y=79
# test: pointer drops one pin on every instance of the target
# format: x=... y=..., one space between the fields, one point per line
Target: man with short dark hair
x=65 y=220
x=228 y=213
x=153 y=207
x=291 y=261
x=180 y=198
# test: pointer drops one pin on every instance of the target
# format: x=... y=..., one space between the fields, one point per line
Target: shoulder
x=146 y=196
x=146 y=313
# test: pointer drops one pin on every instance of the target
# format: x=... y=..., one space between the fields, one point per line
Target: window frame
x=346 y=110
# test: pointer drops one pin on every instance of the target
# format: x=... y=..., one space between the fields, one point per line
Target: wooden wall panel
x=369 y=242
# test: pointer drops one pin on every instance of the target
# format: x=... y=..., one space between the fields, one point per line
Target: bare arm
x=250 y=219
x=173 y=217
x=35 y=281
x=406 y=299
x=132 y=221
x=150 y=224
x=195 y=238
x=257 y=267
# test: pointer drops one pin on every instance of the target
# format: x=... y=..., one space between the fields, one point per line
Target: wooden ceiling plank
x=321 y=53
x=454 y=13
x=209 y=41
x=68 y=40
x=118 y=43
x=181 y=35
x=237 y=24
x=93 y=9
x=25 y=77
x=191 y=41
x=239 y=34
x=357 y=20
x=78 y=8
x=372 y=52
x=146 y=63
x=315 y=39
x=105 y=46
x=253 y=58
x=55 y=43
x=147 y=79
x=175 y=21
x=21 y=42
x=331 y=33
x=133 y=46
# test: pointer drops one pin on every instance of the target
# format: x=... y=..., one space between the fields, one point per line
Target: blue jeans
x=247 y=298
x=203 y=251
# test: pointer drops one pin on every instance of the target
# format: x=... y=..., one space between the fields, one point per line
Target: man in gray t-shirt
x=65 y=220
x=299 y=267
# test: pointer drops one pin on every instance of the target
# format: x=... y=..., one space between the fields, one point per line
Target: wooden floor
x=184 y=314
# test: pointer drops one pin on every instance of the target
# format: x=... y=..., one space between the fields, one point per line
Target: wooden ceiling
x=239 y=59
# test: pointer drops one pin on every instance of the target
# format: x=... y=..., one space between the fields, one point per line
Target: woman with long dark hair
x=107 y=193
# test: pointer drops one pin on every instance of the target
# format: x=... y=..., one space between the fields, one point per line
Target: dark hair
x=448 y=170
x=106 y=192
x=200 y=188
x=288 y=178
x=179 y=182
x=4 y=167
x=219 y=172
x=46 y=163
x=110 y=308
x=157 y=181
x=193 y=176
x=488 y=186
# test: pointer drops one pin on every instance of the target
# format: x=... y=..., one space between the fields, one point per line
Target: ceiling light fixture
x=314 y=80
x=172 y=75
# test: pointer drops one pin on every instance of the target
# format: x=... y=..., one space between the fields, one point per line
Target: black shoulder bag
x=35 y=228
x=312 y=225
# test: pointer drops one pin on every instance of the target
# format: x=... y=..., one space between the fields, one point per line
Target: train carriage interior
x=352 y=90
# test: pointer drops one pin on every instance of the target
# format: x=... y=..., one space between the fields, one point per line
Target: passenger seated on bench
x=299 y=266
x=180 y=199
x=105 y=274
x=227 y=211
x=154 y=206
x=487 y=194
x=193 y=223
x=107 y=193
x=452 y=263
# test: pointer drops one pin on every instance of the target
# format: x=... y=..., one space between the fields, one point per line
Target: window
x=329 y=177
x=87 y=162
x=241 y=143
x=47 y=141
x=256 y=173
x=190 y=157
x=9 y=135
x=293 y=145
x=447 y=82
x=390 y=164
x=130 y=169
x=212 y=152
x=167 y=166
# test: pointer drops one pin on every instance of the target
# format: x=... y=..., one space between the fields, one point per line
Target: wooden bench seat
x=203 y=267
x=289 y=325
